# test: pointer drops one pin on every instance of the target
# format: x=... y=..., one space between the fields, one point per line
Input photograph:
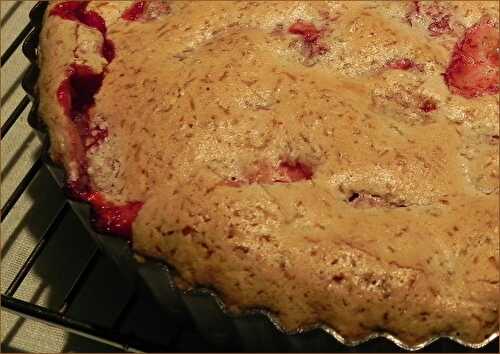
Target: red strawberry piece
x=293 y=171
x=428 y=105
x=69 y=10
x=401 y=64
x=306 y=29
x=474 y=67
x=146 y=10
x=440 y=26
x=114 y=219
x=310 y=36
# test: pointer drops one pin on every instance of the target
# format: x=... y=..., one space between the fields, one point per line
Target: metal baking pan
x=255 y=330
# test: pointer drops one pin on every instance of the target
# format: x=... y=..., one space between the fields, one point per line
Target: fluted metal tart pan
x=255 y=330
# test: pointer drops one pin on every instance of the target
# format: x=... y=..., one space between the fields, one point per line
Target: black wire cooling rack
x=139 y=325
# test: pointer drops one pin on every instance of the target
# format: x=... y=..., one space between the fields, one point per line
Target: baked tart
x=334 y=163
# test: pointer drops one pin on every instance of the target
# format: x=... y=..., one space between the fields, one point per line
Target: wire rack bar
x=79 y=281
x=30 y=261
x=15 y=44
x=20 y=188
x=91 y=331
x=14 y=116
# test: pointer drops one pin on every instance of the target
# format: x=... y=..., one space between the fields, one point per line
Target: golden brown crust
x=189 y=104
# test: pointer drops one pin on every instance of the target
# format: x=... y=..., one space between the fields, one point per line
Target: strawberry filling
x=289 y=172
x=440 y=26
x=76 y=96
x=310 y=36
x=402 y=64
x=432 y=14
x=77 y=11
x=285 y=172
x=439 y=20
x=474 y=67
x=305 y=29
x=76 y=93
x=70 y=10
x=106 y=216
x=113 y=219
x=428 y=105
x=134 y=12
x=145 y=10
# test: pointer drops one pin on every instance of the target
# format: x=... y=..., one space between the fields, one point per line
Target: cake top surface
x=343 y=150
